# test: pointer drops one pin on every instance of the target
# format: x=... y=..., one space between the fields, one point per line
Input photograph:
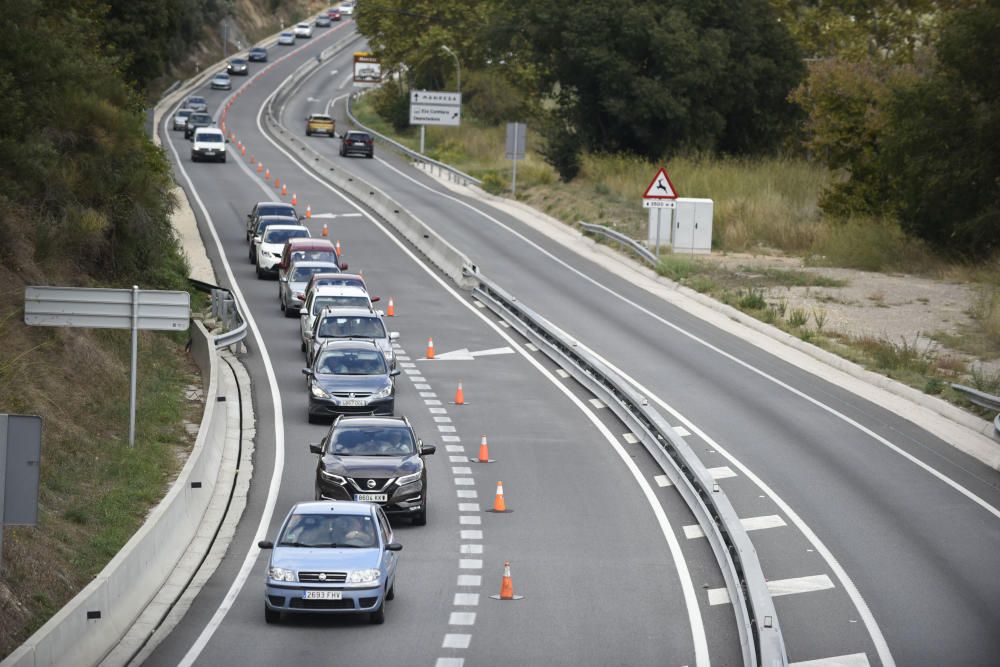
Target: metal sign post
x=109 y=309
x=661 y=194
x=514 y=150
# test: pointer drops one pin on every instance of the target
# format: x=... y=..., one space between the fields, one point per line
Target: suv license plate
x=324 y=595
x=355 y=402
x=371 y=497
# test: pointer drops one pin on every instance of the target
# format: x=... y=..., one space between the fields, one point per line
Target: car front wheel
x=271 y=615
x=377 y=617
x=420 y=518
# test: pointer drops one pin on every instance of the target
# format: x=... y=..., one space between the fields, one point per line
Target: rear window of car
x=196 y=100
x=348 y=282
x=276 y=209
x=318 y=116
x=345 y=327
x=200 y=118
x=314 y=255
x=358 y=136
x=282 y=235
x=300 y=274
x=210 y=136
x=184 y=113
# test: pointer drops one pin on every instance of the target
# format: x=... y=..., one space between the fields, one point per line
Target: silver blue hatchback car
x=331 y=557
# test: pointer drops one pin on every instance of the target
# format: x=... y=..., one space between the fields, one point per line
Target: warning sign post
x=660 y=194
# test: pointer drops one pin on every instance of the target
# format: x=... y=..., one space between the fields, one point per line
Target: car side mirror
x=315 y=448
x=375 y=299
x=343 y=266
x=395 y=372
x=266 y=544
x=393 y=335
x=394 y=546
x=307 y=371
x=427 y=450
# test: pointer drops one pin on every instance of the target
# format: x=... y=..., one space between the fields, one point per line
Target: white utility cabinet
x=692 y=226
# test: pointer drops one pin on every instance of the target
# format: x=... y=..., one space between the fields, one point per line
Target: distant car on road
x=286 y=39
x=258 y=54
x=304 y=30
x=349 y=376
x=180 y=118
x=383 y=449
x=319 y=123
x=347 y=7
x=322 y=21
x=208 y=144
x=292 y=283
x=238 y=67
x=333 y=14
x=194 y=121
x=221 y=81
x=331 y=558
x=260 y=226
x=196 y=103
x=354 y=142
x=263 y=208
x=340 y=312
x=271 y=243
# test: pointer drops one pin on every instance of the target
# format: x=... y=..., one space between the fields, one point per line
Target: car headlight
x=318 y=391
x=364 y=576
x=385 y=392
x=281 y=574
x=409 y=479
x=330 y=477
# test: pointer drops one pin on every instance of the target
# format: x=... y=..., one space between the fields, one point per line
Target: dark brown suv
x=357 y=142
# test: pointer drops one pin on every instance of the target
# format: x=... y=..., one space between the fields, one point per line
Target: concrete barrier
x=95 y=620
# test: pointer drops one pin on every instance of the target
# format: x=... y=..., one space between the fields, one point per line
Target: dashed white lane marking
x=458 y=459
x=417 y=378
x=428 y=394
x=468 y=507
x=720 y=472
x=455 y=641
x=436 y=411
x=471 y=534
x=432 y=401
x=750 y=523
x=407 y=364
x=561 y=373
x=681 y=431
x=503 y=324
x=461 y=470
x=597 y=403
x=443 y=662
x=442 y=420
x=470 y=549
x=465 y=481
x=470 y=520
x=630 y=438
x=456 y=448
x=467 y=493
x=444 y=428
x=469 y=580
x=470 y=563
x=466 y=599
x=422 y=386
x=530 y=347
x=852 y=660
x=777 y=587
x=397 y=346
x=402 y=357
x=462 y=618
x=450 y=438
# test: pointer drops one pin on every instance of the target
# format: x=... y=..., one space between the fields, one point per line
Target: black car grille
x=329 y=577
x=301 y=603
x=351 y=394
x=276 y=600
x=361 y=484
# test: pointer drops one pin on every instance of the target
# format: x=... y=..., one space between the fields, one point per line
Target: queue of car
x=336 y=553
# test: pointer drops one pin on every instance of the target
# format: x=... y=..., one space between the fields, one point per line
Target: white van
x=209 y=144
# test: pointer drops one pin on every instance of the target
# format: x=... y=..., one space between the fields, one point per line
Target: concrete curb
x=960 y=429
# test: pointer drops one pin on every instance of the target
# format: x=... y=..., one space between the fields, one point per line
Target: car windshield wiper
x=294 y=544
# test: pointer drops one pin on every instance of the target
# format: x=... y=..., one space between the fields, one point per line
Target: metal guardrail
x=983 y=400
x=757 y=620
x=453 y=174
x=226 y=310
x=637 y=247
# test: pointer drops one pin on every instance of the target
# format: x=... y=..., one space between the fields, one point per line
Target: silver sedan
x=292 y=283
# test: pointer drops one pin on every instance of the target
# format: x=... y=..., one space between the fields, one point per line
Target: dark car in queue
x=349 y=376
x=257 y=54
x=357 y=143
x=196 y=103
x=263 y=223
x=375 y=460
x=262 y=208
x=238 y=67
x=331 y=558
x=292 y=283
x=194 y=121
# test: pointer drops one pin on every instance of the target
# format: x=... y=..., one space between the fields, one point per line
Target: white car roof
x=205 y=130
x=339 y=290
x=285 y=227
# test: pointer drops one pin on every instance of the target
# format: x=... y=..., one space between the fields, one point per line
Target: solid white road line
x=779 y=587
x=694 y=531
x=852 y=660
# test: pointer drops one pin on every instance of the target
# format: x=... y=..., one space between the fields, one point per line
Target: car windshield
x=301 y=274
x=321 y=302
x=351 y=362
x=318 y=117
x=238 y=62
x=276 y=209
x=210 y=136
x=184 y=113
x=329 y=531
x=372 y=441
x=357 y=136
x=196 y=100
x=200 y=118
x=282 y=235
x=345 y=327
x=315 y=255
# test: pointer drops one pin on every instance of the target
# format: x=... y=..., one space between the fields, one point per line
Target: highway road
x=880 y=541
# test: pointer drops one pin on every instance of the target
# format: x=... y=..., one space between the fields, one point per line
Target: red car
x=333 y=14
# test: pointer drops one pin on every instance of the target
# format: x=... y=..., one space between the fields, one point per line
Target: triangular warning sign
x=660 y=187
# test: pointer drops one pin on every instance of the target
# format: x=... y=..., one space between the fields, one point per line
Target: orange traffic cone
x=284 y=190
x=253 y=159
x=309 y=212
x=484 y=456
x=277 y=181
x=295 y=199
x=243 y=150
x=391 y=310
x=326 y=230
x=267 y=174
x=337 y=245
x=430 y=348
x=499 y=506
x=260 y=167
x=507 y=585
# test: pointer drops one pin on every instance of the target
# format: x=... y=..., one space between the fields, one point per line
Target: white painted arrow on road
x=465 y=355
